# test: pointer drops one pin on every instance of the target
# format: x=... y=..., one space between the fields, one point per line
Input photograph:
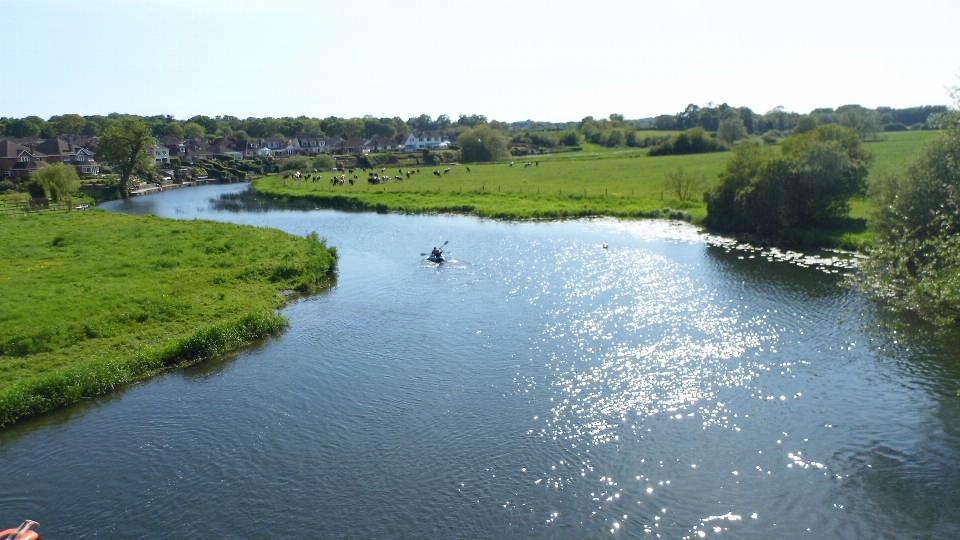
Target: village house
x=426 y=140
x=19 y=160
x=384 y=144
x=312 y=145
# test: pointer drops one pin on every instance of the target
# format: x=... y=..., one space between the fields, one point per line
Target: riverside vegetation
x=94 y=300
x=594 y=182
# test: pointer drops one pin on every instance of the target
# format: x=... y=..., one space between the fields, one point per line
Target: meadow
x=597 y=181
x=94 y=300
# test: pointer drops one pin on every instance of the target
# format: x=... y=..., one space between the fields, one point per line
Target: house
x=62 y=151
x=312 y=145
x=385 y=144
x=426 y=140
x=353 y=146
x=17 y=160
x=160 y=154
x=224 y=148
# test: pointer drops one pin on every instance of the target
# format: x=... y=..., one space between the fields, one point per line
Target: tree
x=805 y=124
x=665 y=122
x=125 y=146
x=58 y=179
x=864 y=121
x=68 y=124
x=323 y=162
x=808 y=185
x=914 y=265
x=732 y=129
x=193 y=130
x=297 y=163
x=483 y=143
x=684 y=185
x=23 y=128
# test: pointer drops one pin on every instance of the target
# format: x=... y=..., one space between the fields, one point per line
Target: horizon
x=510 y=61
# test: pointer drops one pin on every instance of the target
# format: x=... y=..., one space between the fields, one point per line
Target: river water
x=538 y=385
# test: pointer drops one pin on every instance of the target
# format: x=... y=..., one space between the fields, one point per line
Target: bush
x=808 y=185
x=7 y=185
x=323 y=162
x=692 y=141
x=296 y=163
x=915 y=263
x=35 y=188
x=896 y=126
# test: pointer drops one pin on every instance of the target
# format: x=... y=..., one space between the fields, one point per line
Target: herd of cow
x=373 y=177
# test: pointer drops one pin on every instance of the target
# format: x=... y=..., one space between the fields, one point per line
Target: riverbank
x=94 y=300
x=616 y=184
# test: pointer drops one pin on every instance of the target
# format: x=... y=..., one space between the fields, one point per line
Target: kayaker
x=435 y=252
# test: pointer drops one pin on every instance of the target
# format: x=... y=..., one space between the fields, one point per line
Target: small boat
x=436 y=258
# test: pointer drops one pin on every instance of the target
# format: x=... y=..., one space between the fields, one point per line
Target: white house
x=429 y=140
x=312 y=145
x=161 y=154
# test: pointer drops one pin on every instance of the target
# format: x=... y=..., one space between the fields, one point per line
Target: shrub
x=296 y=163
x=323 y=162
x=35 y=188
x=692 y=141
x=7 y=185
x=808 y=185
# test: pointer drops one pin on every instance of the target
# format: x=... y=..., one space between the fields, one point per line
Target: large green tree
x=125 y=146
x=57 y=179
x=808 y=185
x=914 y=265
x=483 y=143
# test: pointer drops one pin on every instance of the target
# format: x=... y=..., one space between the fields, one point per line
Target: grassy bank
x=93 y=301
x=597 y=184
x=596 y=181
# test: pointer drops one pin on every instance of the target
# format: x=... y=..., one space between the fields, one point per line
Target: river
x=537 y=385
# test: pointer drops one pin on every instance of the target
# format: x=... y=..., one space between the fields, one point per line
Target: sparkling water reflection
x=671 y=384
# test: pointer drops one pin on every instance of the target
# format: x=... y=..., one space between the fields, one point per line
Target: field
x=596 y=181
x=93 y=300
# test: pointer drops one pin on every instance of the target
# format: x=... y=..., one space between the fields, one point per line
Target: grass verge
x=94 y=301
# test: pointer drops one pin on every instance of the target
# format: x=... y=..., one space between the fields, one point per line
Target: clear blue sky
x=513 y=60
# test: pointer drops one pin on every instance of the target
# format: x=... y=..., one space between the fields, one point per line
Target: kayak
x=437 y=259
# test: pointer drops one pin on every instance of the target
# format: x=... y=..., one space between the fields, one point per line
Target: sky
x=557 y=60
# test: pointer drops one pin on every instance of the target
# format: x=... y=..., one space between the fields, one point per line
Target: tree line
x=201 y=126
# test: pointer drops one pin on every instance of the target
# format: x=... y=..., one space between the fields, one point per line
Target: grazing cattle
x=446 y=171
x=468 y=169
x=408 y=175
x=398 y=178
x=437 y=173
x=350 y=171
x=527 y=164
x=373 y=180
x=383 y=169
x=352 y=180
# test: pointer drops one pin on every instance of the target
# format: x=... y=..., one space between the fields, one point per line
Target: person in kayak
x=435 y=253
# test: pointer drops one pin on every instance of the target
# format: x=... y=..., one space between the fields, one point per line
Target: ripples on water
x=674 y=385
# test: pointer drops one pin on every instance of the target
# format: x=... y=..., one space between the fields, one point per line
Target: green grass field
x=595 y=181
x=602 y=184
x=93 y=300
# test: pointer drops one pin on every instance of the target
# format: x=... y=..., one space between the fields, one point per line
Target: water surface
x=538 y=385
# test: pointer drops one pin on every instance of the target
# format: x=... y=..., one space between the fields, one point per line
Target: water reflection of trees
x=249 y=201
x=779 y=275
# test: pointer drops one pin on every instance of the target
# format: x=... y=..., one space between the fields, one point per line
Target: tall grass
x=93 y=301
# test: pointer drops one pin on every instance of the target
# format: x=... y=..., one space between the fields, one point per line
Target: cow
x=437 y=173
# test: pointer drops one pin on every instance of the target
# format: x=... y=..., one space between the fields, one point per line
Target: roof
x=10 y=149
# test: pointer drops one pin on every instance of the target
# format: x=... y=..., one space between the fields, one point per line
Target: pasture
x=93 y=300
x=559 y=186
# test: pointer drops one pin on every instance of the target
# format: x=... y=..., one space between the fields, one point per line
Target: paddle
x=441 y=248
